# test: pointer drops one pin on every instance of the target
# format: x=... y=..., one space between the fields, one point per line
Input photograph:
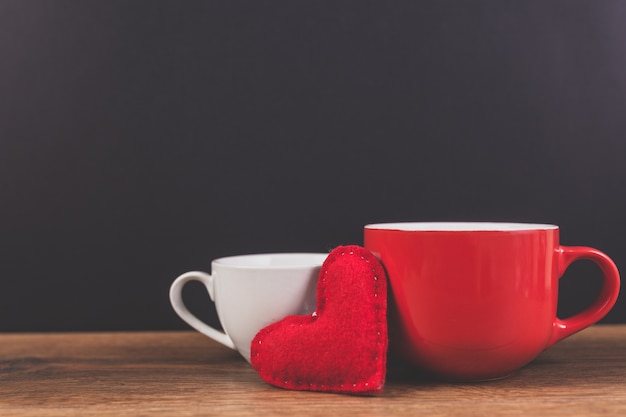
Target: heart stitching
x=342 y=346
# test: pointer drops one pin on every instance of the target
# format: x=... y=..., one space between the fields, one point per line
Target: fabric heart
x=342 y=346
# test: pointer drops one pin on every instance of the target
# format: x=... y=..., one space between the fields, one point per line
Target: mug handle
x=181 y=309
x=565 y=256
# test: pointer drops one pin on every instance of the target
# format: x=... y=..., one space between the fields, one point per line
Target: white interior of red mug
x=460 y=226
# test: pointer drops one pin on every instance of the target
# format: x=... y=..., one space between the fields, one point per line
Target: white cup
x=251 y=292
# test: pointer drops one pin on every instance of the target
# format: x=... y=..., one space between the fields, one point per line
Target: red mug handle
x=565 y=256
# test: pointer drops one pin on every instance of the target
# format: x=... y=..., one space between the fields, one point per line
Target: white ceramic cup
x=251 y=292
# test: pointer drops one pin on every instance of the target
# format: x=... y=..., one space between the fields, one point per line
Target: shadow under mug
x=251 y=292
x=477 y=301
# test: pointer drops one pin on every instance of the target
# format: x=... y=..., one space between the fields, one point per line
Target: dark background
x=141 y=139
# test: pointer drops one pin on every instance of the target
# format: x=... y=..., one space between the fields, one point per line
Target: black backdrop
x=141 y=139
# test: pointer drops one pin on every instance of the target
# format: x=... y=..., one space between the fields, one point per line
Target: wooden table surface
x=186 y=374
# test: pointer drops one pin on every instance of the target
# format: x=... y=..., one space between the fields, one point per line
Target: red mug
x=477 y=301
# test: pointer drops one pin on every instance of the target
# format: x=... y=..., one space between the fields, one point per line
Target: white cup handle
x=181 y=309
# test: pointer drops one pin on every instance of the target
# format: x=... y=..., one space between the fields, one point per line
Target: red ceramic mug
x=477 y=301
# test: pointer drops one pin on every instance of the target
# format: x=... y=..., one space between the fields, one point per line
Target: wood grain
x=187 y=374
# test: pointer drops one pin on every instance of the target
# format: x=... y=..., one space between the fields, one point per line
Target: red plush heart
x=342 y=347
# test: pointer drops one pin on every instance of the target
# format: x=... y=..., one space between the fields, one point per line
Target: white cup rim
x=285 y=260
x=460 y=226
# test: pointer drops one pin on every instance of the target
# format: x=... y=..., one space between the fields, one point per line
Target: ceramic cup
x=477 y=301
x=251 y=292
